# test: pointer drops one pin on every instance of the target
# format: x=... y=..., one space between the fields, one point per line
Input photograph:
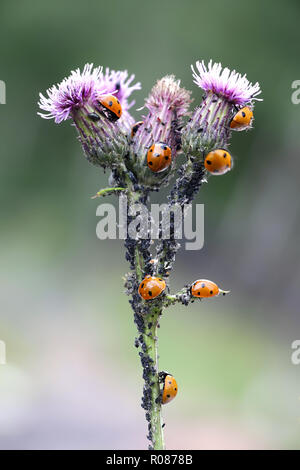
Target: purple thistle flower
x=168 y=94
x=67 y=97
x=76 y=98
x=118 y=83
x=230 y=85
x=167 y=104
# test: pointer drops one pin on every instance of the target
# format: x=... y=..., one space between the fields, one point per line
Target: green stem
x=151 y=341
x=149 y=354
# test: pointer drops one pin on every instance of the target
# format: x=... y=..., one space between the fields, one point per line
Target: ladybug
x=113 y=108
x=170 y=387
x=203 y=288
x=151 y=287
x=159 y=157
x=242 y=119
x=218 y=162
x=136 y=127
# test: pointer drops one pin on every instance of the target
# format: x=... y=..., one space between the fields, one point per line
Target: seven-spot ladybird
x=203 y=288
x=218 y=162
x=136 y=127
x=170 y=387
x=242 y=119
x=159 y=157
x=151 y=287
x=112 y=106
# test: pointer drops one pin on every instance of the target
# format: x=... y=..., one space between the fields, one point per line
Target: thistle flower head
x=230 y=85
x=72 y=93
x=167 y=91
x=120 y=84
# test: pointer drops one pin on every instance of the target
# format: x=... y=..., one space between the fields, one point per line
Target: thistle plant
x=141 y=158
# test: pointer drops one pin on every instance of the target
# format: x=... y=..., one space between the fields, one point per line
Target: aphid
x=242 y=119
x=170 y=387
x=136 y=127
x=218 y=162
x=94 y=117
x=159 y=157
x=151 y=287
x=112 y=106
x=202 y=288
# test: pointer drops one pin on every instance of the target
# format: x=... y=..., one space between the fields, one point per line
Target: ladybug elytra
x=170 y=387
x=136 y=127
x=218 y=162
x=112 y=106
x=151 y=287
x=203 y=288
x=159 y=157
x=242 y=119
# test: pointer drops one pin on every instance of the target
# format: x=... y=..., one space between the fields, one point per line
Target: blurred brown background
x=73 y=377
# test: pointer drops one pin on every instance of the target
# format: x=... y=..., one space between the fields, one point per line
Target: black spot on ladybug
x=224 y=155
x=175 y=389
x=157 y=154
x=170 y=383
x=150 y=163
x=166 y=157
x=198 y=293
x=110 y=103
x=119 y=111
x=208 y=162
x=151 y=150
x=243 y=114
x=150 y=293
x=211 y=292
x=164 y=147
x=168 y=396
x=143 y=285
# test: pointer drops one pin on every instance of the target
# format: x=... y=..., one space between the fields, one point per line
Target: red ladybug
x=170 y=387
x=242 y=119
x=136 y=127
x=159 y=157
x=112 y=106
x=218 y=162
x=151 y=287
x=202 y=288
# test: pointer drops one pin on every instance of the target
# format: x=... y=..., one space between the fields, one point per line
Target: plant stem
x=155 y=419
x=147 y=316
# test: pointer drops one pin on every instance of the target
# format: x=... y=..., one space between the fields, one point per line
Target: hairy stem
x=153 y=414
x=146 y=316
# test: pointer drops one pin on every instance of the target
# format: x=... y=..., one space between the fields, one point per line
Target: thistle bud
x=167 y=103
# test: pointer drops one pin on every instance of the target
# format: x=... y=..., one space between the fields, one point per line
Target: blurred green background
x=73 y=377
